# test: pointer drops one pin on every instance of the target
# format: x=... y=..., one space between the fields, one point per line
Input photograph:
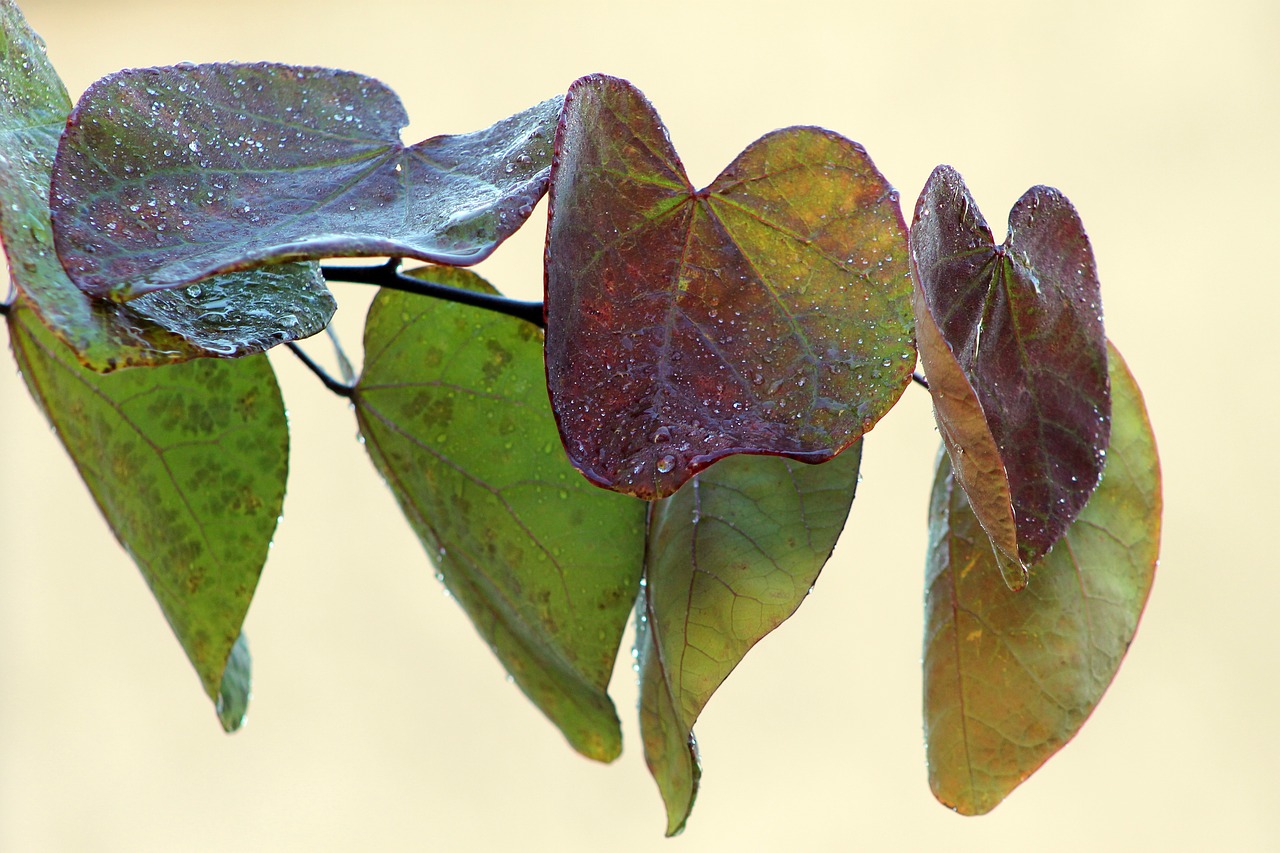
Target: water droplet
x=666 y=463
x=661 y=435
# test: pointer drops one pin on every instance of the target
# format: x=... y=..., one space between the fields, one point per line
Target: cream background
x=379 y=720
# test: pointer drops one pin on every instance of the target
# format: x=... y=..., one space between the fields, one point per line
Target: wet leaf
x=730 y=557
x=453 y=408
x=223 y=167
x=187 y=463
x=1011 y=676
x=230 y=315
x=767 y=313
x=1011 y=339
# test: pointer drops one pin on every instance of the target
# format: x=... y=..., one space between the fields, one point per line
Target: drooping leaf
x=168 y=175
x=768 y=313
x=230 y=315
x=188 y=464
x=1012 y=341
x=730 y=557
x=452 y=405
x=1011 y=676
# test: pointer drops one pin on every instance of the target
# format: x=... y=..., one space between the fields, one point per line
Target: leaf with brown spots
x=453 y=408
x=730 y=557
x=1011 y=676
x=767 y=313
x=188 y=464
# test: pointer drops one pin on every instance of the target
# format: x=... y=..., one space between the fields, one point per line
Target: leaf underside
x=730 y=556
x=230 y=315
x=1009 y=677
x=1012 y=341
x=453 y=408
x=222 y=167
x=188 y=464
x=768 y=313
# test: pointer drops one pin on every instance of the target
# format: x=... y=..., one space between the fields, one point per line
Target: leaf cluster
x=676 y=430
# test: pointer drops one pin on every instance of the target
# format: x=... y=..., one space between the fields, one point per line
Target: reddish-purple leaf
x=1012 y=341
x=168 y=175
x=768 y=313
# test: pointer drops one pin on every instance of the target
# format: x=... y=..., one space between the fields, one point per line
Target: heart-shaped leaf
x=730 y=557
x=231 y=315
x=168 y=175
x=188 y=464
x=1011 y=339
x=1011 y=676
x=453 y=407
x=768 y=313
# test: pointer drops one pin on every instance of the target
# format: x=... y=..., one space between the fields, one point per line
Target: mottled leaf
x=230 y=315
x=188 y=464
x=768 y=313
x=1011 y=339
x=168 y=175
x=1011 y=676
x=453 y=407
x=730 y=557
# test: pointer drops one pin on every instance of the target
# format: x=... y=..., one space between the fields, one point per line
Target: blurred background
x=381 y=722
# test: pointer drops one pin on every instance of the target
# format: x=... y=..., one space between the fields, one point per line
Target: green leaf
x=1011 y=339
x=188 y=464
x=453 y=408
x=222 y=167
x=1011 y=676
x=231 y=315
x=768 y=313
x=730 y=557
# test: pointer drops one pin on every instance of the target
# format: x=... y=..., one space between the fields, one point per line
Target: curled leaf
x=1011 y=338
x=767 y=313
x=730 y=557
x=223 y=167
x=453 y=408
x=1011 y=676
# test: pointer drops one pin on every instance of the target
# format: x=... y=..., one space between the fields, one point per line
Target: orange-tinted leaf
x=1011 y=676
x=768 y=313
x=1012 y=341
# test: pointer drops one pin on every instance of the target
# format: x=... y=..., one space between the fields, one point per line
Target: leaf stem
x=918 y=378
x=339 y=388
x=388 y=275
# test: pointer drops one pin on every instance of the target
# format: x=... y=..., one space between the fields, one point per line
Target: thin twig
x=332 y=384
x=918 y=378
x=388 y=275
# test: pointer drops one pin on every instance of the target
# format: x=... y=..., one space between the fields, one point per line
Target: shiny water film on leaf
x=730 y=557
x=453 y=407
x=168 y=175
x=1009 y=677
x=1022 y=323
x=768 y=313
x=230 y=315
x=188 y=464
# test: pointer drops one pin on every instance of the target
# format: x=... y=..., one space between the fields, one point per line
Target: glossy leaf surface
x=1013 y=336
x=223 y=167
x=730 y=557
x=768 y=313
x=1011 y=676
x=453 y=407
x=231 y=315
x=188 y=464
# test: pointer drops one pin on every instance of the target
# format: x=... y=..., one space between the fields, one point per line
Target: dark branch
x=332 y=384
x=388 y=275
x=919 y=379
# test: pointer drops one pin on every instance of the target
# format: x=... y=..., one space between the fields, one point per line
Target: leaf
x=768 y=313
x=223 y=167
x=188 y=464
x=453 y=408
x=730 y=557
x=231 y=315
x=1011 y=339
x=1011 y=676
